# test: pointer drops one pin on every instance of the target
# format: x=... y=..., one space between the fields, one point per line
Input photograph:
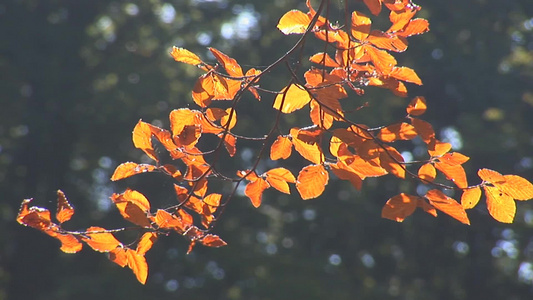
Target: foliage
x=354 y=56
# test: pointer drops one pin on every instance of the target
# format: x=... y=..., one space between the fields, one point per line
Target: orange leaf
x=424 y=129
x=229 y=144
x=447 y=205
x=186 y=56
x=324 y=59
x=212 y=201
x=360 y=26
x=146 y=242
x=366 y=168
x=133 y=206
x=517 y=187
x=128 y=169
x=406 y=74
x=387 y=41
x=137 y=263
x=427 y=207
x=400 y=19
x=281 y=148
x=343 y=171
x=438 y=148
x=470 y=197
x=211 y=240
x=308 y=148
x=118 y=256
x=312 y=181
x=181 y=118
x=64 y=209
x=427 y=172
x=225 y=118
x=398 y=131
x=254 y=191
x=454 y=158
x=455 y=173
x=36 y=217
x=500 y=205
x=204 y=90
x=69 y=243
x=374 y=6
x=100 y=240
x=490 y=176
x=415 y=26
x=417 y=106
x=230 y=65
x=399 y=207
x=166 y=220
x=391 y=160
x=142 y=139
x=292 y=98
x=382 y=60
x=294 y=22
x=278 y=178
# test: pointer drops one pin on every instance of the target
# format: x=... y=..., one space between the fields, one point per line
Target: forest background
x=78 y=75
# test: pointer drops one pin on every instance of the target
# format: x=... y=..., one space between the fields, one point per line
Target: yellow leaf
x=146 y=242
x=281 y=148
x=470 y=197
x=517 y=187
x=278 y=178
x=417 y=106
x=185 y=56
x=137 y=263
x=500 y=205
x=128 y=169
x=294 y=22
x=291 y=99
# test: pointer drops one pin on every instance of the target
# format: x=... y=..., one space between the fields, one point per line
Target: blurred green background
x=76 y=76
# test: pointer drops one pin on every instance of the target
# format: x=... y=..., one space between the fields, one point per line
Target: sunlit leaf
x=142 y=139
x=69 y=242
x=470 y=197
x=399 y=207
x=454 y=158
x=391 y=160
x=415 y=27
x=181 y=118
x=400 y=19
x=306 y=147
x=406 y=74
x=204 y=90
x=100 y=240
x=312 y=181
x=36 y=217
x=447 y=205
x=128 y=169
x=281 y=148
x=294 y=22
x=366 y=168
x=398 y=131
x=118 y=256
x=278 y=179
x=500 y=205
x=343 y=171
x=254 y=191
x=455 y=173
x=211 y=240
x=133 y=206
x=212 y=201
x=427 y=172
x=186 y=56
x=230 y=65
x=360 y=26
x=374 y=6
x=146 y=242
x=490 y=176
x=382 y=60
x=64 y=209
x=424 y=130
x=225 y=118
x=387 y=41
x=324 y=59
x=166 y=220
x=517 y=187
x=137 y=263
x=291 y=99
x=437 y=148
x=417 y=106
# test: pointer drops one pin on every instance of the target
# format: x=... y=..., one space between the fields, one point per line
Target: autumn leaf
x=127 y=169
x=374 y=6
x=294 y=22
x=345 y=172
x=406 y=74
x=100 y=240
x=455 y=173
x=166 y=220
x=399 y=207
x=470 y=197
x=424 y=130
x=254 y=191
x=417 y=106
x=278 y=178
x=230 y=65
x=307 y=145
x=133 y=206
x=146 y=242
x=186 y=56
x=398 y=131
x=64 y=209
x=291 y=99
x=500 y=205
x=454 y=158
x=517 y=187
x=312 y=181
x=119 y=256
x=281 y=148
x=137 y=263
x=447 y=205
x=427 y=172
x=437 y=148
x=211 y=240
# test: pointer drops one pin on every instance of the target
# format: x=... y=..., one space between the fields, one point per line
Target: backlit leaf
x=128 y=169
x=470 y=197
x=398 y=131
x=64 y=209
x=281 y=148
x=367 y=168
x=211 y=240
x=137 y=263
x=399 y=207
x=400 y=19
x=118 y=256
x=133 y=206
x=69 y=242
x=387 y=41
x=142 y=139
x=382 y=60
x=391 y=160
x=374 y=6
x=292 y=98
x=307 y=148
x=360 y=26
x=294 y=22
x=278 y=178
x=427 y=172
x=517 y=187
x=455 y=173
x=438 y=148
x=417 y=106
x=230 y=65
x=500 y=205
x=166 y=220
x=254 y=191
x=447 y=205
x=185 y=56
x=36 y=217
x=324 y=59
x=406 y=74
x=415 y=26
x=204 y=90
x=343 y=171
x=312 y=181
x=454 y=158
x=181 y=118
x=490 y=176
x=424 y=130
x=146 y=242
x=100 y=240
